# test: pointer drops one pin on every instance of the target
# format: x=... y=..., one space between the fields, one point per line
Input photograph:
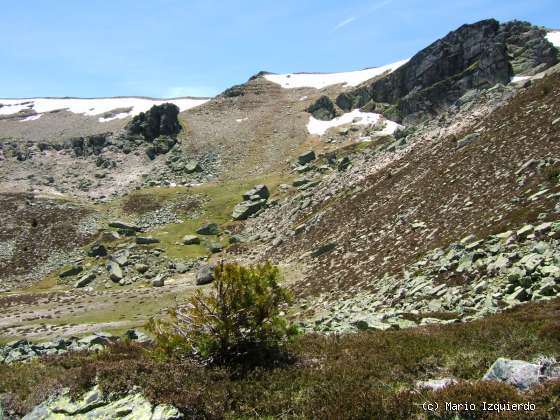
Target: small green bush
x=240 y=319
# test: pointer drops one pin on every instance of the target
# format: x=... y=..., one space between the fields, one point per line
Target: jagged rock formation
x=158 y=127
x=160 y=120
x=475 y=56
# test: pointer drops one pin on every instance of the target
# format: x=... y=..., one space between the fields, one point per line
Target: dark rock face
x=475 y=56
x=323 y=109
x=160 y=120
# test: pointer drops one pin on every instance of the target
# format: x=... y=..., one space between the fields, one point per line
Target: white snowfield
x=554 y=38
x=321 y=80
x=355 y=117
x=90 y=107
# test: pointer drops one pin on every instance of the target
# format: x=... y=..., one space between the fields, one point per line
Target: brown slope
x=273 y=127
x=454 y=191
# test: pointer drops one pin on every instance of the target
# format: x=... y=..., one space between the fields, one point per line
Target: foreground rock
x=95 y=405
x=523 y=375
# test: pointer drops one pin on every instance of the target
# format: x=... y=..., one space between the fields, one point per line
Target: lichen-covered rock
x=94 y=405
x=517 y=373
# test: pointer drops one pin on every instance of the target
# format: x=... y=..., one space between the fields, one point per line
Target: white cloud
x=379 y=5
x=371 y=9
x=344 y=23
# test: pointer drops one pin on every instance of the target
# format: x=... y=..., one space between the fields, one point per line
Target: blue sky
x=170 y=48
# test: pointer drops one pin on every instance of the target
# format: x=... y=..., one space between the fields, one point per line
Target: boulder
x=162 y=145
x=126 y=226
x=159 y=281
x=192 y=166
x=115 y=271
x=344 y=163
x=256 y=193
x=205 y=274
x=215 y=247
x=208 y=229
x=235 y=239
x=181 y=268
x=243 y=210
x=517 y=373
x=141 y=267
x=121 y=257
x=306 y=157
x=191 y=240
x=72 y=271
x=146 y=240
x=300 y=182
x=97 y=250
x=85 y=280
x=530 y=262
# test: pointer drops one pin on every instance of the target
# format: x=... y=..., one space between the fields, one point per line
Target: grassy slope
x=220 y=198
x=364 y=375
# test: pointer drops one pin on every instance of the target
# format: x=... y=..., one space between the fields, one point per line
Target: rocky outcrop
x=475 y=56
x=323 y=109
x=95 y=405
x=160 y=120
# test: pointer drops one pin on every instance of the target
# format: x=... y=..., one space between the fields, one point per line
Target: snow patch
x=32 y=117
x=554 y=38
x=242 y=119
x=94 y=106
x=516 y=79
x=115 y=117
x=321 y=80
x=356 y=117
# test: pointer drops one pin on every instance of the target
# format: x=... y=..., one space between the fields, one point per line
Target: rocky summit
x=412 y=210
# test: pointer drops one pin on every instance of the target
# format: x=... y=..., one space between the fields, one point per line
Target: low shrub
x=240 y=319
